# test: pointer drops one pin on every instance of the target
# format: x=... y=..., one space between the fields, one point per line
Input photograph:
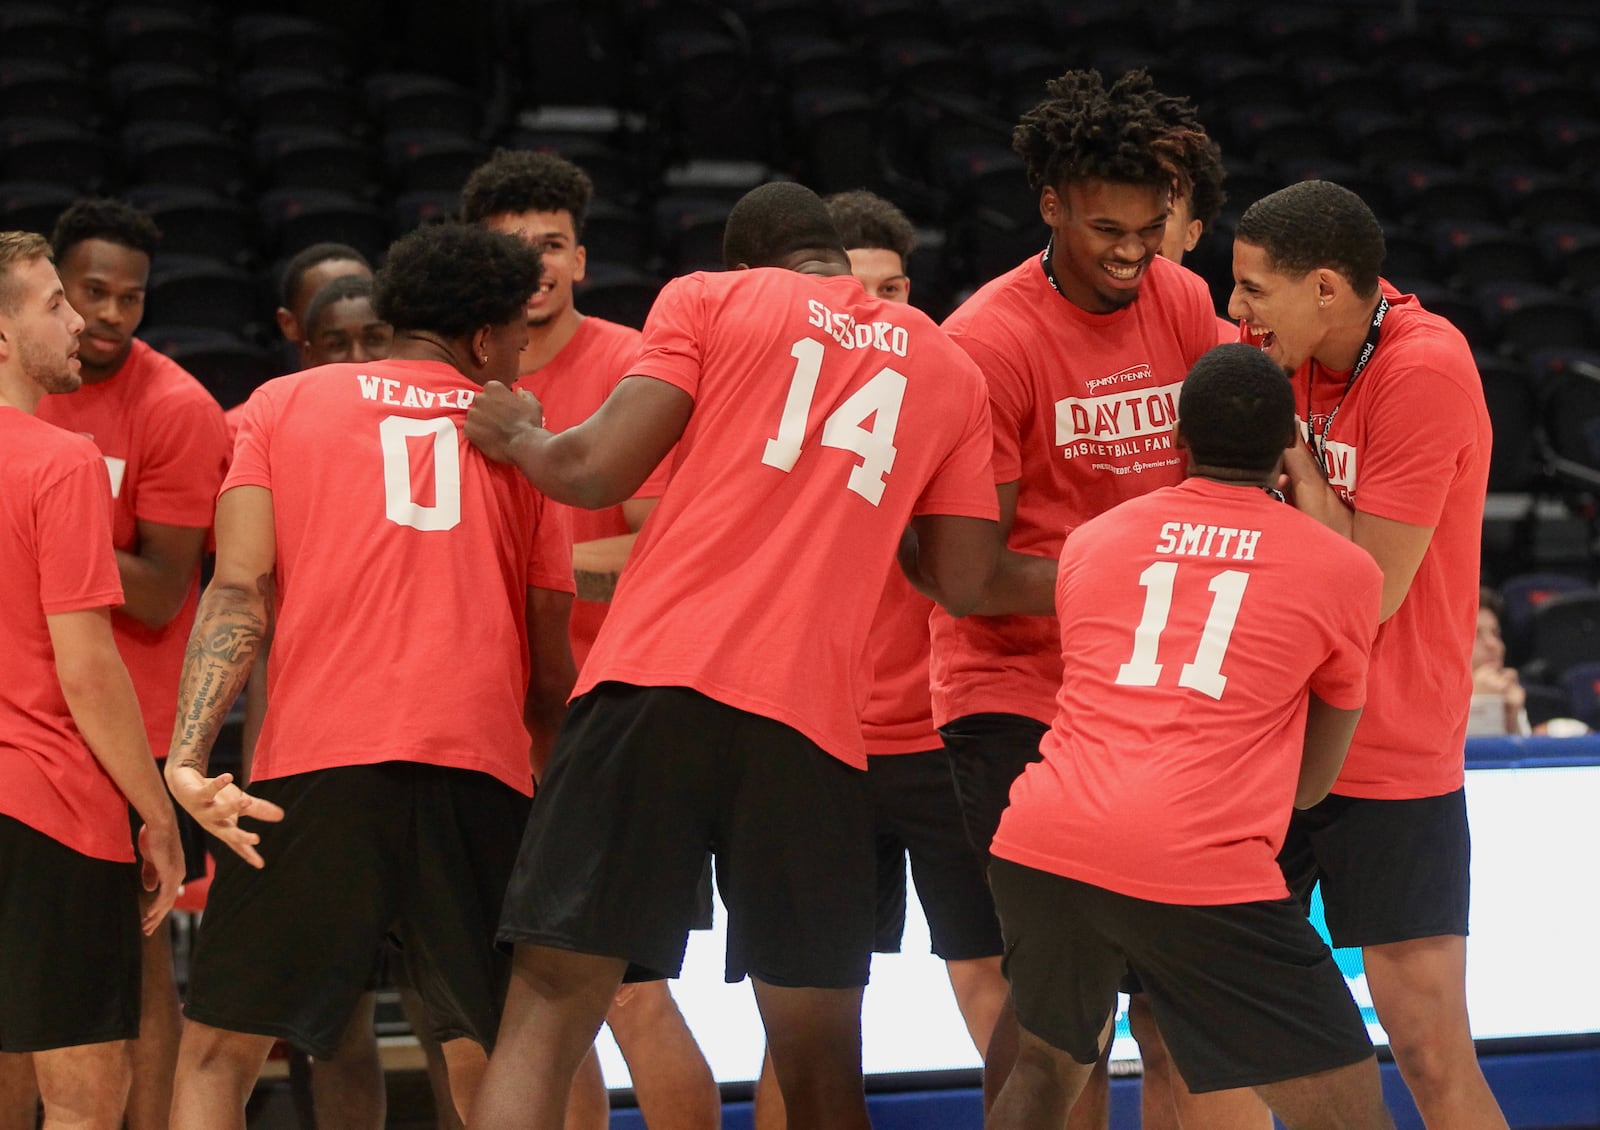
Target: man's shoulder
x=43 y=450
x=159 y=378
x=1012 y=289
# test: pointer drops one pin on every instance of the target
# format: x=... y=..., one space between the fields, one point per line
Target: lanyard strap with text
x=1319 y=445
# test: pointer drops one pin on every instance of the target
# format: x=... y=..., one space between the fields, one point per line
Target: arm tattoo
x=229 y=628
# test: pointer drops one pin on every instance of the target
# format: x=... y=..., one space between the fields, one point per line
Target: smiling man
x=164 y=442
x=1085 y=348
x=1368 y=365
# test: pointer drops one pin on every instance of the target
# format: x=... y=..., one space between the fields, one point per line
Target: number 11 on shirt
x=1204 y=673
x=845 y=427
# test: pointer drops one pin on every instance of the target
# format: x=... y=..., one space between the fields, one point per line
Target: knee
x=221 y=1056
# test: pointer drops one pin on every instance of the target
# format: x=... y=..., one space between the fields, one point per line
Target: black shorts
x=69 y=944
x=914 y=811
x=1391 y=870
x=191 y=838
x=643 y=781
x=418 y=850
x=1246 y=994
x=987 y=753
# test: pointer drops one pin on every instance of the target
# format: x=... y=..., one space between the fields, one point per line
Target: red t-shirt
x=166 y=447
x=55 y=556
x=823 y=420
x=1083 y=407
x=404 y=559
x=570 y=386
x=1415 y=424
x=1227 y=332
x=1193 y=621
x=899 y=715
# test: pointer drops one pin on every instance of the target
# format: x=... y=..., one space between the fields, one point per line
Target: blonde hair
x=17 y=247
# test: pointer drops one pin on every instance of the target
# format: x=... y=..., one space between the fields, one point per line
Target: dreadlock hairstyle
x=1128 y=134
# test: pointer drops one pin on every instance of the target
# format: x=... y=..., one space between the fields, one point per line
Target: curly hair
x=294 y=271
x=103 y=218
x=452 y=279
x=1206 y=194
x=865 y=219
x=1313 y=224
x=1236 y=409
x=519 y=180
x=1128 y=134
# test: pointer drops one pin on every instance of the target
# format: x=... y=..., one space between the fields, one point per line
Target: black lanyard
x=1044 y=261
x=1319 y=445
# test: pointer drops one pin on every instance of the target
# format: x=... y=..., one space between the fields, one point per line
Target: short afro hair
x=1315 y=224
x=513 y=181
x=340 y=289
x=1236 y=409
x=452 y=279
x=294 y=271
x=1129 y=134
x=773 y=221
x=102 y=218
x=865 y=219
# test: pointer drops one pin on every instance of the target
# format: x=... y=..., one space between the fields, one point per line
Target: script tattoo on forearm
x=228 y=631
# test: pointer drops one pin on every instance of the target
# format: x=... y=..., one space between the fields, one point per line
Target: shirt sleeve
x=550 y=565
x=1010 y=406
x=186 y=456
x=963 y=485
x=672 y=335
x=251 y=465
x=77 y=564
x=1417 y=431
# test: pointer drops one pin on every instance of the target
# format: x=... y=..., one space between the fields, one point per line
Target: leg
x=1157 y=1103
x=155 y=1052
x=19 y=1094
x=465 y=1062
x=671 y=1079
x=348 y=1090
x=83 y=1087
x=1345 y=1098
x=555 y=1005
x=1166 y=1103
x=768 y=1111
x=1419 y=988
x=1041 y=1087
x=444 y=1107
x=589 y=1104
x=1091 y=1111
x=217 y=1070
x=814 y=1036
x=981 y=993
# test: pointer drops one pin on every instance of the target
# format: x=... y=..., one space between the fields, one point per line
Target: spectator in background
x=165 y=445
x=73 y=751
x=879 y=240
x=1492 y=680
x=305 y=274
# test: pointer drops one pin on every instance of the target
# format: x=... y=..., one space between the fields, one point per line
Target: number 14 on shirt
x=845 y=428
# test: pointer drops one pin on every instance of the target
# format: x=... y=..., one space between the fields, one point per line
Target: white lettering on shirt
x=387 y=391
x=886 y=337
x=1119 y=416
x=117 y=469
x=1189 y=539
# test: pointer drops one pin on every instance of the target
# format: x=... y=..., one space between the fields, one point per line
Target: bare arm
x=1328 y=734
x=601 y=462
x=950 y=558
x=100 y=696
x=551 y=672
x=156 y=578
x=229 y=630
x=596 y=564
x=1397 y=547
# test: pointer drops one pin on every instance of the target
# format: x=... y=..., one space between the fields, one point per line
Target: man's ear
x=1178 y=439
x=1050 y=206
x=288 y=326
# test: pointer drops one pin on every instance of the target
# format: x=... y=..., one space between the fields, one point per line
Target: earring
x=483 y=358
